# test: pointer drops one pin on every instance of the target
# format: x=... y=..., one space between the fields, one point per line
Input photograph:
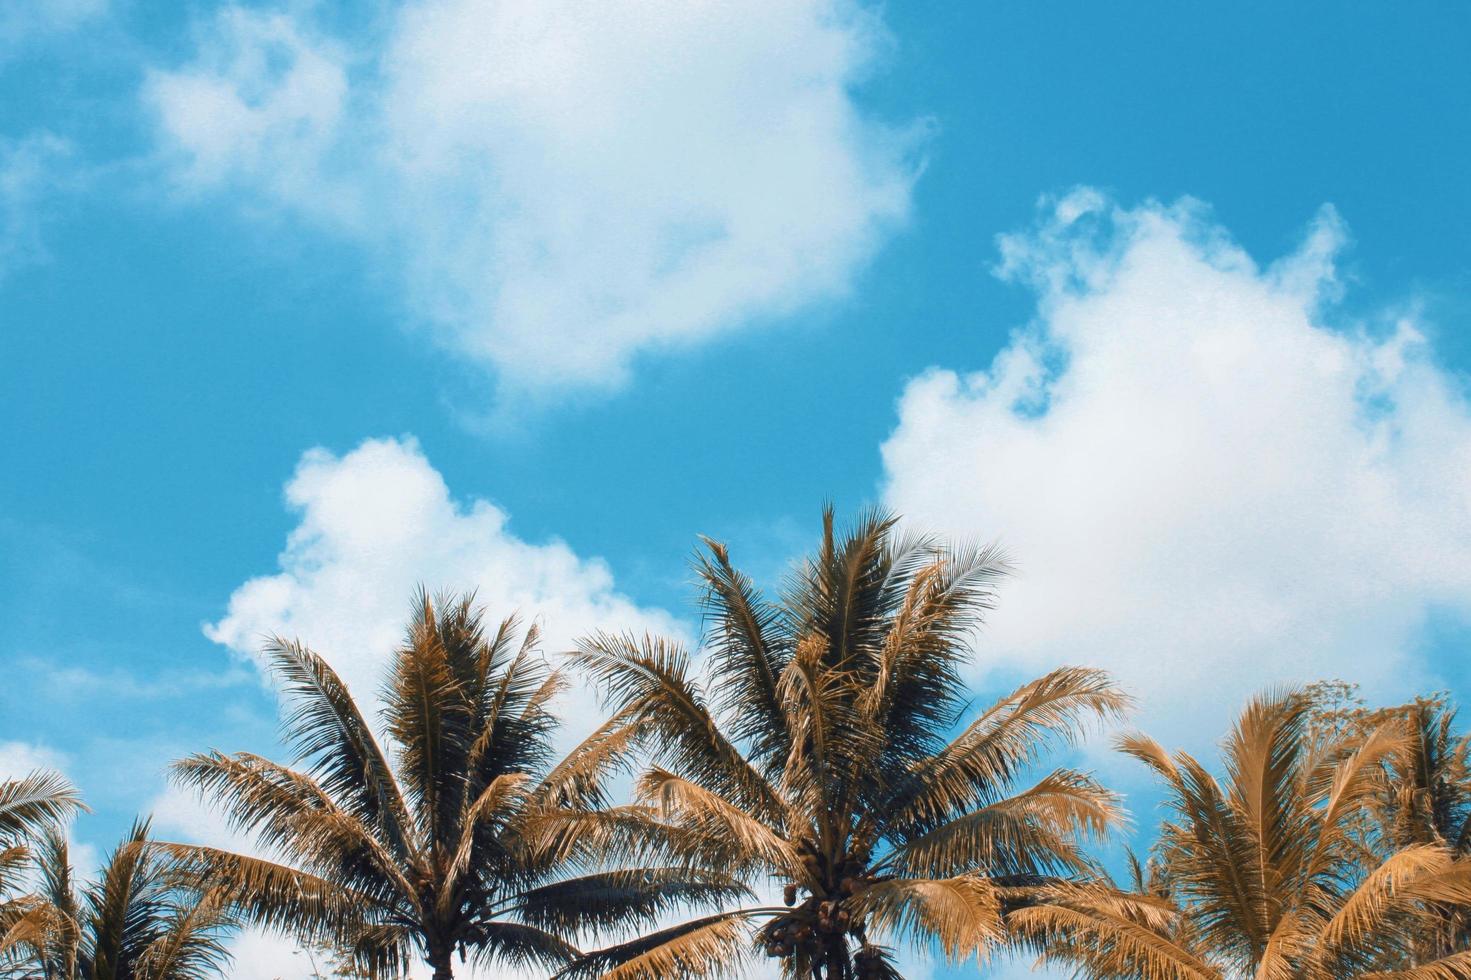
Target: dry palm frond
x=1109 y=935
x=622 y=898
x=1457 y=966
x=1030 y=833
x=1002 y=742
x=962 y=913
x=752 y=843
x=651 y=678
x=327 y=728
x=520 y=946
x=1363 y=913
x=746 y=653
x=578 y=780
x=134 y=921
x=192 y=946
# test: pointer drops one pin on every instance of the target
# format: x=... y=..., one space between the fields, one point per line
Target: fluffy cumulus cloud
x=562 y=184
x=1210 y=483
x=378 y=522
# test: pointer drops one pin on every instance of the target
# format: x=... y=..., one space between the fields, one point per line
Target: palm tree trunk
x=441 y=961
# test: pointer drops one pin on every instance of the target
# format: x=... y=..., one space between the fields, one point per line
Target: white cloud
x=70 y=683
x=19 y=759
x=1209 y=488
x=379 y=521
x=562 y=185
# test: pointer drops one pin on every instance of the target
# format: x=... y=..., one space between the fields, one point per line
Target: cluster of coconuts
x=821 y=918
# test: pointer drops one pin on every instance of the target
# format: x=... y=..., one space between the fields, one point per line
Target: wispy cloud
x=73 y=683
x=22 y=22
x=34 y=169
x=560 y=186
x=1209 y=483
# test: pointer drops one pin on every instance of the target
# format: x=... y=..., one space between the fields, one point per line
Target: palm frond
x=30 y=804
x=1031 y=833
x=622 y=898
x=429 y=717
x=980 y=763
x=287 y=811
x=962 y=914
x=1106 y=941
x=749 y=843
x=327 y=730
x=1362 y=914
x=710 y=947
x=747 y=649
x=650 y=678
x=272 y=895
x=1456 y=966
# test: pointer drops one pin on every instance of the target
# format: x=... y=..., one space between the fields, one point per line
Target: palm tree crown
x=135 y=922
x=827 y=747
x=461 y=837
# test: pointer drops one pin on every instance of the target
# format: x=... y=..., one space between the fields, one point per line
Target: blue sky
x=597 y=283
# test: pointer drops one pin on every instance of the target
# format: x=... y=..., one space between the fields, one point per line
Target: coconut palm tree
x=134 y=922
x=830 y=747
x=460 y=833
x=1267 y=873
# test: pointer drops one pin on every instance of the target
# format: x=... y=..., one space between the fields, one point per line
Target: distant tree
x=135 y=922
x=1422 y=796
x=1268 y=873
x=831 y=747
